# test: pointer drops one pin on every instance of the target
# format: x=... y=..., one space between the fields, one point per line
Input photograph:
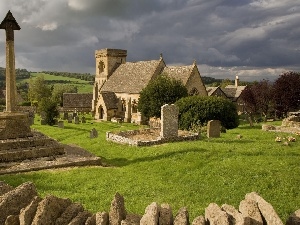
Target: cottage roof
x=131 y=77
x=233 y=92
x=182 y=73
x=211 y=90
x=75 y=100
x=110 y=100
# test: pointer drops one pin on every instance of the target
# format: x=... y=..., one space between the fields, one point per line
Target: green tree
x=59 y=90
x=48 y=106
x=38 y=89
x=160 y=91
x=200 y=109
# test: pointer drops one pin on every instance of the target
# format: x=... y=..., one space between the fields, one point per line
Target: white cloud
x=48 y=26
x=78 y=5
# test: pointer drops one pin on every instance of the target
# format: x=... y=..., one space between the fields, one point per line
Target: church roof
x=182 y=73
x=131 y=77
x=75 y=100
x=110 y=100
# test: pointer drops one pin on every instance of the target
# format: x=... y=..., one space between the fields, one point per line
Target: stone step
x=30 y=153
x=23 y=143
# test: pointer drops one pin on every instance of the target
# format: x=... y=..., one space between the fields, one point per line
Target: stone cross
x=9 y=24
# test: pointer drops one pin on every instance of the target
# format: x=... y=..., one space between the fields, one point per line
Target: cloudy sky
x=254 y=39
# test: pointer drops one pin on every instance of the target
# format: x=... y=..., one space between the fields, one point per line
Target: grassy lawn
x=82 y=85
x=191 y=174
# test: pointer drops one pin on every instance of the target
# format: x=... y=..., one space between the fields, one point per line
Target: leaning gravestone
x=83 y=120
x=169 y=121
x=213 y=129
x=93 y=133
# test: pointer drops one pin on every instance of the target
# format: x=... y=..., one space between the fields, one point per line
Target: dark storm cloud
x=245 y=37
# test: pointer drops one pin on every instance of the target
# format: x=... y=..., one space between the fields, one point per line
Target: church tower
x=107 y=61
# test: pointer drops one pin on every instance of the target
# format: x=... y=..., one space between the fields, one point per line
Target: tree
x=200 y=109
x=160 y=91
x=59 y=90
x=38 y=89
x=48 y=106
x=287 y=92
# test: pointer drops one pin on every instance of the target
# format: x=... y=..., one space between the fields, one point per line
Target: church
x=118 y=83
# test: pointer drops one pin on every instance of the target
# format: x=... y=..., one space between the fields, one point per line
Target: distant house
x=78 y=102
x=232 y=92
x=118 y=83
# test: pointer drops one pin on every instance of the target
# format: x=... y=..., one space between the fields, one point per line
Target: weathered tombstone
x=93 y=133
x=43 y=122
x=70 y=118
x=213 y=129
x=65 y=116
x=169 y=121
x=43 y=115
x=60 y=124
x=76 y=120
x=83 y=120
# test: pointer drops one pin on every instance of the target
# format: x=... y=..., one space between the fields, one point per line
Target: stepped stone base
x=14 y=125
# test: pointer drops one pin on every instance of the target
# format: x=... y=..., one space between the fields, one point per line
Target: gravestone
x=43 y=115
x=213 y=129
x=61 y=124
x=83 y=120
x=70 y=118
x=65 y=116
x=43 y=122
x=93 y=133
x=169 y=121
x=74 y=114
x=76 y=120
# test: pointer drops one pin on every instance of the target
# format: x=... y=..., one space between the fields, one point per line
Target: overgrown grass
x=82 y=85
x=191 y=174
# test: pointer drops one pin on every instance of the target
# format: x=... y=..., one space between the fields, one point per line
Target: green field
x=82 y=85
x=191 y=174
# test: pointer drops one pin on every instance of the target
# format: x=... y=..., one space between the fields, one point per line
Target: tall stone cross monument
x=13 y=124
x=9 y=24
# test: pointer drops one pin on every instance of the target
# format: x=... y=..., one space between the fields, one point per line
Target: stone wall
x=127 y=137
x=23 y=206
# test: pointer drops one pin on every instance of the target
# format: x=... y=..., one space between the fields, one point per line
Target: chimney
x=236 y=81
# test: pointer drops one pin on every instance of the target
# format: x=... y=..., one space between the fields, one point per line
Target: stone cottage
x=232 y=92
x=118 y=83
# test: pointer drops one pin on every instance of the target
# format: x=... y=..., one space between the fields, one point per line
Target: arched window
x=194 y=91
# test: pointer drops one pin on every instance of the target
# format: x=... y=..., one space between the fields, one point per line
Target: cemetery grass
x=191 y=174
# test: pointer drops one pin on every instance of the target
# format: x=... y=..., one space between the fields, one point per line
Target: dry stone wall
x=23 y=206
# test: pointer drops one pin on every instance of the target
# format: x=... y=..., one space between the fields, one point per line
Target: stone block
x=151 y=214
x=166 y=215
x=117 y=211
x=169 y=121
x=182 y=217
x=294 y=218
x=61 y=124
x=250 y=212
x=215 y=216
x=102 y=218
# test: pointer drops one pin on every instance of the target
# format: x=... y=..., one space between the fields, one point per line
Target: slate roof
x=211 y=90
x=110 y=100
x=179 y=72
x=131 y=77
x=75 y=100
x=233 y=92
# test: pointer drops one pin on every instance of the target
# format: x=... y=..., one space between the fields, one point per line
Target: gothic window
x=101 y=67
x=123 y=104
x=134 y=106
x=194 y=91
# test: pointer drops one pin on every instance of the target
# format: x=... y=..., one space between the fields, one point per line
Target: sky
x=252 y=39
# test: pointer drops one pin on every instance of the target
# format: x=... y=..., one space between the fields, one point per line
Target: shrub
x=201 y=109
x=160 y=91
x=50 y=108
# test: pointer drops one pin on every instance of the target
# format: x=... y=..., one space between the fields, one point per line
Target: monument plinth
x=13 y=124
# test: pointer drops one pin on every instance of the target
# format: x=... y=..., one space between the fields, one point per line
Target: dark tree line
x=273 y=99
